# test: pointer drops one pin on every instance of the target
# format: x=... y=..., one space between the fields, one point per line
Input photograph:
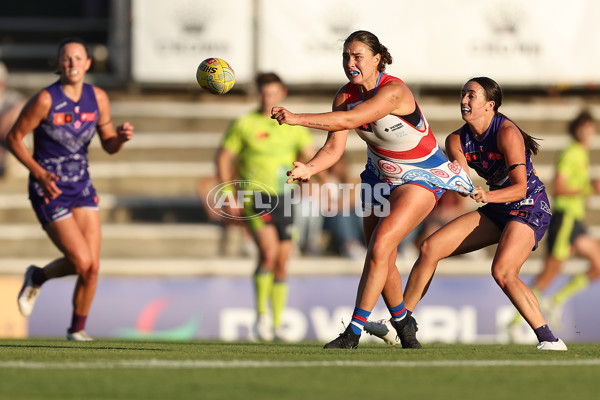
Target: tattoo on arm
x=316 y=124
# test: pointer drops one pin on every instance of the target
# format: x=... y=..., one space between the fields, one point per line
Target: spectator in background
x=11 y=103
x=258 y=151
x=309 y=220
x=343 y=225
x=450 y=206
x=231 y=229
x=64 y=118
x=567 y=234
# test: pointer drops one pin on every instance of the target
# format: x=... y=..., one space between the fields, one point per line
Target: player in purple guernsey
x=64 y=117
x=516 y=210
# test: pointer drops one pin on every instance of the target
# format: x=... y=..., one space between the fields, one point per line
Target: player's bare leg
x=514 y=248
x=409 y=204
x=79 y=238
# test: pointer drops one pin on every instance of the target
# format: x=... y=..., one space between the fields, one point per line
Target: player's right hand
x=48 y=182
x=283 y=116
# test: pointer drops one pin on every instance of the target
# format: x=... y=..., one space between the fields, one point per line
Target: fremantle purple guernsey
x=486 y=159
x=61 y=141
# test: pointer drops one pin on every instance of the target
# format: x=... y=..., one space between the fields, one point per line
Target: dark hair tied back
x=373 y=43
x=68 y=40
x=493 y=92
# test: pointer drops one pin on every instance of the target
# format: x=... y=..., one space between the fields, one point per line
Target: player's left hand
x=125 y=131
x=300 y=173
x=479 y=195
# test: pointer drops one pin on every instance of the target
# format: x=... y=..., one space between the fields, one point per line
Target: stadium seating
x=149 y=202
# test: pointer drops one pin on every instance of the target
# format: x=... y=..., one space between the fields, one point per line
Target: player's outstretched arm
x=326 y=156
x=394 y=97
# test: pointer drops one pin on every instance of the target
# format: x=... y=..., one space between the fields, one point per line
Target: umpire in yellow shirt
x=256 y=153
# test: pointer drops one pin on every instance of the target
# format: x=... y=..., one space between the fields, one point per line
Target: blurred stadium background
x=165 y=270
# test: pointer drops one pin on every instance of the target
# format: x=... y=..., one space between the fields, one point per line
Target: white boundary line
x=214 y=364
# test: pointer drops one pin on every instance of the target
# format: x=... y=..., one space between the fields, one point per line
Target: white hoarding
x=170 y=38
x=537 y=42
x=433 y=42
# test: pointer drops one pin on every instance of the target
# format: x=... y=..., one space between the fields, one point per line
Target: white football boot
x=28 y=293
x=79 y=336
x=384 y=330
x=559 y=345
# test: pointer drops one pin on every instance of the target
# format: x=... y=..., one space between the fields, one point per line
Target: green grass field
x=115 y=369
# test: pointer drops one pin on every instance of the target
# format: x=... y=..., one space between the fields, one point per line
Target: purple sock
x=77 y=322
x=38 y=277
x=544 y=334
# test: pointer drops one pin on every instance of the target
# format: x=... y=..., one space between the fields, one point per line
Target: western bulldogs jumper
x=399 y=152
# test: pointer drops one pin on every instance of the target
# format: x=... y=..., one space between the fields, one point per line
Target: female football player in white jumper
x=406 y=171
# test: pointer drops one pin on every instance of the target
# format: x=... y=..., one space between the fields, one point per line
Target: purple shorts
x=60 y=207
x=532 y=211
